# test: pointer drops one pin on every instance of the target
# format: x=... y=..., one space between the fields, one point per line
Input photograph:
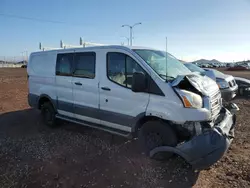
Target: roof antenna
x=81 y=42
x=40 y=46
x=61 y=44
x=166 y=57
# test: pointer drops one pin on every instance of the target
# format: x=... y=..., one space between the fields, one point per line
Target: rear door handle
x=78 y=83
x=105 y=88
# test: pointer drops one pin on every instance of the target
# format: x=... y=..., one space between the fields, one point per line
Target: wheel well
x=145 y=119
x=176 y=128
x=43 y=100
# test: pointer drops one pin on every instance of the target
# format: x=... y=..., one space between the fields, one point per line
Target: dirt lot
x=32 y=155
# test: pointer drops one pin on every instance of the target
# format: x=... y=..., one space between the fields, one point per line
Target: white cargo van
x=134 y=92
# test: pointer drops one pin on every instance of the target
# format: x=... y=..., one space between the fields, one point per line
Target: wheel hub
x=154 y=139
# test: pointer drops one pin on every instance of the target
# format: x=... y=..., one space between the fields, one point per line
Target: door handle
x=105 y=88
x=78 y=83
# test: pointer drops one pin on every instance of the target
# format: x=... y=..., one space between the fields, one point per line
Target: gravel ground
x=32 y=155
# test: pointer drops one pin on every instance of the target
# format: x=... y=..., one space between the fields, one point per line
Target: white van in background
x=132 y=91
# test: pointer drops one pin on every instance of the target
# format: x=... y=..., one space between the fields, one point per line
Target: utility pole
x=25 y=55
x=22 y=55
x=131 y=30
x=166 y=57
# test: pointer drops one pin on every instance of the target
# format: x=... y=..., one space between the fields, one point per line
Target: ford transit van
x=134 y=92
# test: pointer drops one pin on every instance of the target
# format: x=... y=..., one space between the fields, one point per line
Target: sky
x=195 y=29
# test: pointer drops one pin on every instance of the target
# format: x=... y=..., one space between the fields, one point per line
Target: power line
x=34 y=19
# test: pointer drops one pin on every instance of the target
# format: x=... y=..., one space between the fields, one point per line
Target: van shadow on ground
x=71 y=155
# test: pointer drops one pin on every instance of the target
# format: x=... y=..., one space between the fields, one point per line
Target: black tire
x=49 y=114
x=154 y=134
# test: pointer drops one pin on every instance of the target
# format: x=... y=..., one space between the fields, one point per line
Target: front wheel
x=49 y=114
x=154 y=134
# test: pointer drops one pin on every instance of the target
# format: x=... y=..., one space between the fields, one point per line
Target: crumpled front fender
x=207 y=148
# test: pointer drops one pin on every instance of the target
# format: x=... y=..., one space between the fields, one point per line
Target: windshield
x=168 y=68
x=194 y=68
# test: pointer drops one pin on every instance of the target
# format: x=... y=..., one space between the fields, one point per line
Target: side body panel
x=41 y=73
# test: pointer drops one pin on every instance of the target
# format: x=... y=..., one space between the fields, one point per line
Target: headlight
x=189 y=99
x=222 y=83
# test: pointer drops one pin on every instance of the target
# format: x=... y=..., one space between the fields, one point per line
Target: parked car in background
x=226 y=83
x=24 y=66
x=203 y=72
x=244 y=86
x=230 y=65
x=238 y=68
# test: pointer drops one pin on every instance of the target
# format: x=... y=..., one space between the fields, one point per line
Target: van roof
x=95 y=48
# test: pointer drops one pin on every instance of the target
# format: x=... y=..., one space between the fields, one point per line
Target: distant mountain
x=205 y=61
x=209 y=63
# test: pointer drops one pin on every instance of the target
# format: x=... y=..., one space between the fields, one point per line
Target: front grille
x=215 y=103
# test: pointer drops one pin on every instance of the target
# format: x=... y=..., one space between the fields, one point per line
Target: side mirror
x=139 y=82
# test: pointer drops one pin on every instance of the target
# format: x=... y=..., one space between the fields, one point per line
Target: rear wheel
x=154 y=134
x=49 y=114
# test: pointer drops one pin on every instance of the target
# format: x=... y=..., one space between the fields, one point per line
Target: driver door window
x=120 y=68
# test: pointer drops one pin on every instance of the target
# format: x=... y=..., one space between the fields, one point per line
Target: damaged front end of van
x=208 y=140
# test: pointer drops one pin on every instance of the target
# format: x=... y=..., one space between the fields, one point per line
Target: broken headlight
x=190 y=99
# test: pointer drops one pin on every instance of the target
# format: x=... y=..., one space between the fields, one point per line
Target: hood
x=228 y=78
x=224 y=76
x=203 y=84
x=221 y=75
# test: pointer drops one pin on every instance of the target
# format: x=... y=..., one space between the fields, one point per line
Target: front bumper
x=207 y=148
x=229 y=94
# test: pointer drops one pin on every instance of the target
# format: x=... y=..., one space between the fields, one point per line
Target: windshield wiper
x=167 y=77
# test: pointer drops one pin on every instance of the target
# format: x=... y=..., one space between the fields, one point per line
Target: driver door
x=119 y=105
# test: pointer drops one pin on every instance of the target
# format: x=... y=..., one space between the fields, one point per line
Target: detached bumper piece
x=207 y=148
